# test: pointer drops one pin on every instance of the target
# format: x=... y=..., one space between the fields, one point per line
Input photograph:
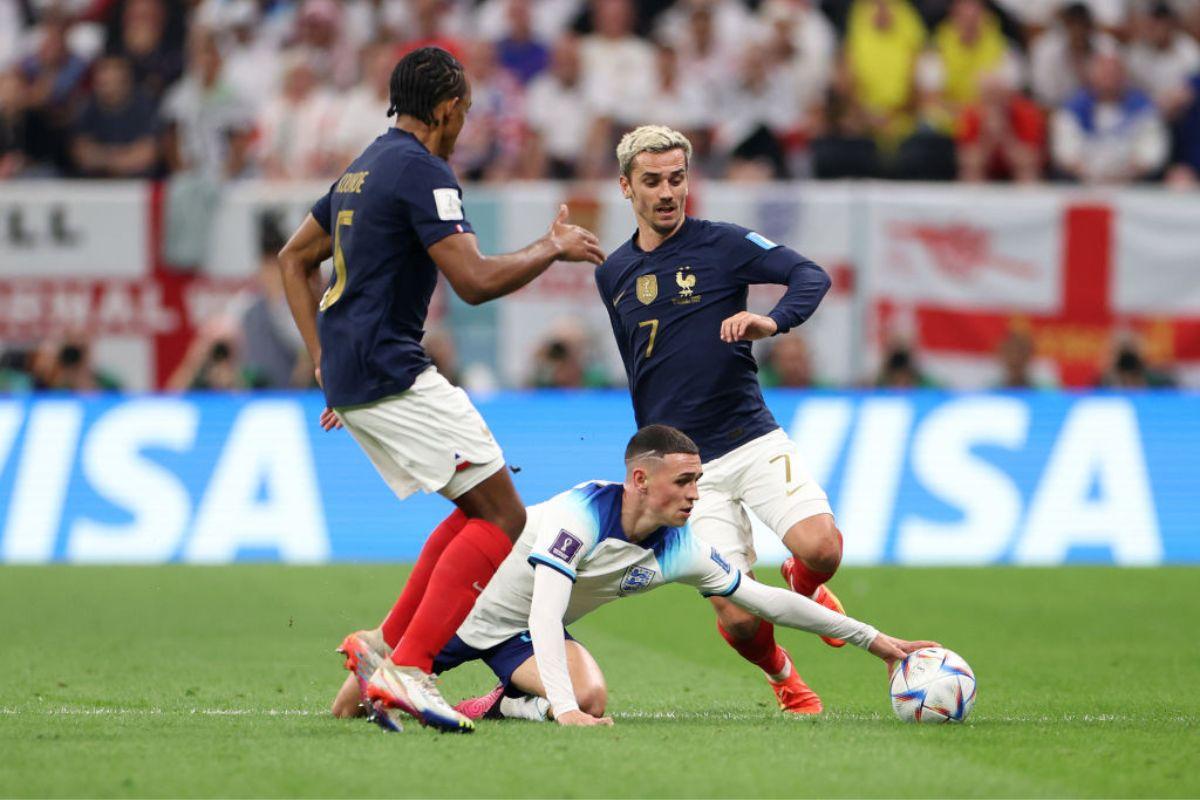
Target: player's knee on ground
x=592 y=699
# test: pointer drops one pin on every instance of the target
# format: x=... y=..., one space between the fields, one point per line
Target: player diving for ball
x=676 y=297
x=588 y=546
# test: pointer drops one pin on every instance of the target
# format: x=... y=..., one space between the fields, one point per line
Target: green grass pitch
x=196 y=681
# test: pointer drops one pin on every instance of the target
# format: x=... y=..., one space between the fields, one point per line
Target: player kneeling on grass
x=581 y=549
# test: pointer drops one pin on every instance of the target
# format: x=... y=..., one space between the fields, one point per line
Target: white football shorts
x=429 y=437
x=768 y=475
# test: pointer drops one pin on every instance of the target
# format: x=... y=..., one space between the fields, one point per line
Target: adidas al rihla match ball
x=933 y=685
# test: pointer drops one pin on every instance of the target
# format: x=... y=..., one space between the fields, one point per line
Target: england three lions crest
x=647 y=289
x=636 y=578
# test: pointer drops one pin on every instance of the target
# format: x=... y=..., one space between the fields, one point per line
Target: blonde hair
x=650 y=139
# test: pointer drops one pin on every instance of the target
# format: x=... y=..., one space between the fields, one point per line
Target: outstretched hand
x=892 y=650
x=572 y=242
x=748 y=327
x=582 y=719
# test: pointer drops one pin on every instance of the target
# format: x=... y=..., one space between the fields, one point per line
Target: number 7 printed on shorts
x=787 y=471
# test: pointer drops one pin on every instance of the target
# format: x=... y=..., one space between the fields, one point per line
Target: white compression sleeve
x=551 y=595
x=796 y=611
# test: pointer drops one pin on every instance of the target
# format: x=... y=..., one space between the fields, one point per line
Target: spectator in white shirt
x=294 y=126
x=677 y=100
x=757 y=113
x=558 y=116
x=1109 y=132
x=362 y=116
x=1059 y=57
x=804 y=40
x=208 y=125
x=1162 y=58
x=618 y=67
x=251 y=58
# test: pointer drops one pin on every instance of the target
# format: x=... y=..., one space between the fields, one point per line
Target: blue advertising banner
x=914 y=478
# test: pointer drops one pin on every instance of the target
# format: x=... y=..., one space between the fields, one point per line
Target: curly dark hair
x=424 y=78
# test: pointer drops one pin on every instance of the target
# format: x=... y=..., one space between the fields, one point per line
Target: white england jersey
x=579 y=534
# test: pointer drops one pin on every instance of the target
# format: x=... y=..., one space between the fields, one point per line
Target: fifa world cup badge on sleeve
x=449 y=204
x=565 y=546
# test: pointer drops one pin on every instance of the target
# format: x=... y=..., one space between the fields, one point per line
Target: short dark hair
x=659 y=440
x=424 y=78
x=1078 y=13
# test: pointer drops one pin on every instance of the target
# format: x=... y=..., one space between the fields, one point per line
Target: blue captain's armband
x=761 y=241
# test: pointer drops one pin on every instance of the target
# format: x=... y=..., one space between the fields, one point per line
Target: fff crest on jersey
x=685 y=280
x=647 y=289
x=636 y=578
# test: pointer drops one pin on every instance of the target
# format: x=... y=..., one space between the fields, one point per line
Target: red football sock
x=467 y=563
x=760 y=649
x=401 y=614
x=805 y=580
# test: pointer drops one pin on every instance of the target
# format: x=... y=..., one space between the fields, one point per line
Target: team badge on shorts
x=565 y=546
x=636 y=578
x=647 y=289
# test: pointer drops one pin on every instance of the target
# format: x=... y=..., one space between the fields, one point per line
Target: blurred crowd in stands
x=203 y=91
x=975 y=90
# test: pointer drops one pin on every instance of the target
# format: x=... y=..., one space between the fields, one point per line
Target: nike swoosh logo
x=617 y=299
x=477 y=587
x=793 y=491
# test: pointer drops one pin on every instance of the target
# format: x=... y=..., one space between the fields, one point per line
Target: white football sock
x=527 y=707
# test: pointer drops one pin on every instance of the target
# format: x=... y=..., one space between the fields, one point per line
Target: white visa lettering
x=267 y=449
x=872 y=478
x=36 y=506
x=989 y=501
x=1099 y=448
x=156 y=500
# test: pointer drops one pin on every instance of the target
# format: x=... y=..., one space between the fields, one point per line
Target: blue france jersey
x=390 y=206
x=666 y=309
x=579 y=534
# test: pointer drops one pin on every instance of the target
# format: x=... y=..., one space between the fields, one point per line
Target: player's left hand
x=891 y=649
x=329 y=419
x=748 y=327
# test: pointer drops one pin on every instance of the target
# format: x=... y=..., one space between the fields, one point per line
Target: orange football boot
x=823 y=597
x=793 y=694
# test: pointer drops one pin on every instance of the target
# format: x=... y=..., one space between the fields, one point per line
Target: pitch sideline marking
x=684 y=716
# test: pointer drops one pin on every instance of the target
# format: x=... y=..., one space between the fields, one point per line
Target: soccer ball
x=933 y=685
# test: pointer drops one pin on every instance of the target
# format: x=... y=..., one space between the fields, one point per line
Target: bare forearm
x=298 y=287
x=504 y=274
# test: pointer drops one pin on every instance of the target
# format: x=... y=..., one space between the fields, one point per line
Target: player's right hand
x=582 y=719
x=329 y=419
x=892 y=650
x=572 y=242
